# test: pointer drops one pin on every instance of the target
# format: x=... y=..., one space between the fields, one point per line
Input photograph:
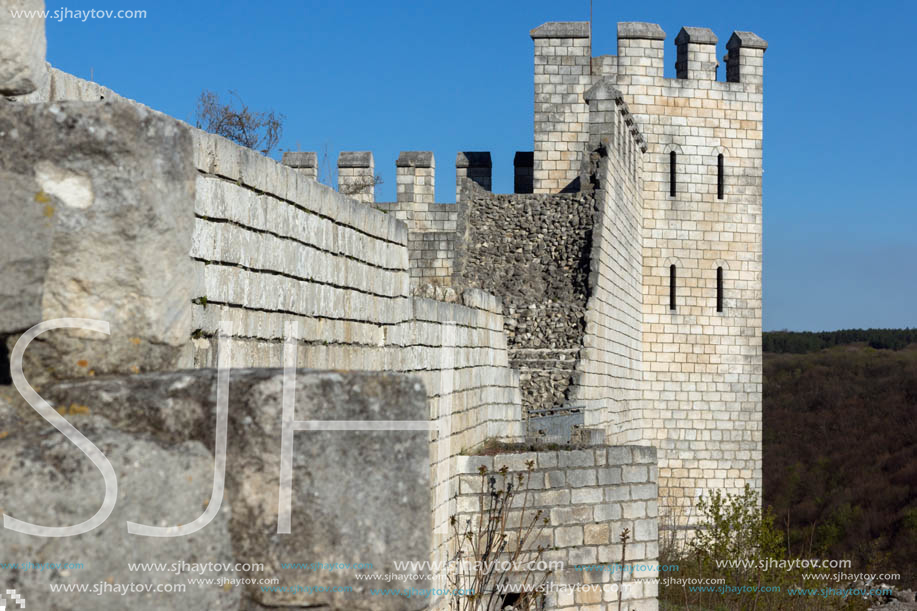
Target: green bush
x=735 y=532
x=737 y=542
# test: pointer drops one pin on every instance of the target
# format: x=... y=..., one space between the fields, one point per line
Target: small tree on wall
x=236 y=121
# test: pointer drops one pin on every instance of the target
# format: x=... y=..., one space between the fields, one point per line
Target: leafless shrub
x=236 y=121
x=487 y=539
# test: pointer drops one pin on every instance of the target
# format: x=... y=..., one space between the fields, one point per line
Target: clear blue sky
x=840 y=220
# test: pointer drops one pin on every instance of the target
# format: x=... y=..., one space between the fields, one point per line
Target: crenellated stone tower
x=699 y=368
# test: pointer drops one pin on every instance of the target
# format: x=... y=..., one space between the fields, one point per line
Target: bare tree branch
x=234 y=120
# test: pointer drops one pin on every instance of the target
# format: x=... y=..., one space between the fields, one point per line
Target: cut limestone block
x=104 y=197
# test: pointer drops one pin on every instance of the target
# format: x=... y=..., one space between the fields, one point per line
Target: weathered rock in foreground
x=357 y=497
x=22 y=52
x=46 y=480
x=103 y=194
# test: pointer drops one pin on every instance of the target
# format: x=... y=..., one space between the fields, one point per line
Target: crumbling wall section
x=533 y=251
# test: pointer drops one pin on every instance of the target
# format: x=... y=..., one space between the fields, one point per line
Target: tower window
x=719 y=289
x=672 y=287
x=672 y=174
x=719 y=176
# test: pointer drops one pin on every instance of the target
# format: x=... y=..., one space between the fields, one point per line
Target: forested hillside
x=840 y=445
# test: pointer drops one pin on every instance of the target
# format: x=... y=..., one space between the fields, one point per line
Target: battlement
x=745 y=58
x=566 y=130
x=696 y=54
x=304 y=161
x=474 y=166
x=356 y=176
x=523 y=171
x=416 y=175
x=641 y=56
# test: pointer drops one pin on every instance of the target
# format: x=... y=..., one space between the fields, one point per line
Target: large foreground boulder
x=358 y=496
x=46 y=480
x=102 y=194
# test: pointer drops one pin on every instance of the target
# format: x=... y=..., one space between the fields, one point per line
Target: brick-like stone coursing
x=562 y=73
x=589 y=495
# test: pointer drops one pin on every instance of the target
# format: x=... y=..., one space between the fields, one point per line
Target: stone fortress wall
x=609 y=373
x=589 y=496
x=577 y=338
x=280 y=257
x=675 y=358
x=681 y=214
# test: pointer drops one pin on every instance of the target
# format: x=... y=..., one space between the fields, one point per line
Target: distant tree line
x=803 y=342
